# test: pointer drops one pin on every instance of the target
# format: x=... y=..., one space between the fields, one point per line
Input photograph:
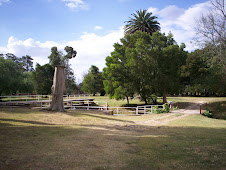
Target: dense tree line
x=19 y=76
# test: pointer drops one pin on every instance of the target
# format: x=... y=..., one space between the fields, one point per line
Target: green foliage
x=166 y=108
x=10 y=76
x=208 y=114
x=142 y=21
x=27 y=84
x=157 y=109
x=145 y=65
x=204 y=73
x=93 y=81
x=57 y=58
x=27 y=63
x=43 y=77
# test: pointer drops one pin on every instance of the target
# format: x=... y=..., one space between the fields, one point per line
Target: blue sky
x=32 y=27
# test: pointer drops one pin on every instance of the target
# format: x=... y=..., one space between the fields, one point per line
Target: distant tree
x=93 y=81
x=27 y=63
x=27 y=84
x=211 y=31
x=204 y=75
x=10 y=76
x=43 y=77
x=15 y=59
x=142 y=21
x=70 y=85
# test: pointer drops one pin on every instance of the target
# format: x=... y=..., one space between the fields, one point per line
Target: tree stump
x=57 y=103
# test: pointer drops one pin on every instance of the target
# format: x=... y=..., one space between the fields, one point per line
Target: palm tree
x=142 y=21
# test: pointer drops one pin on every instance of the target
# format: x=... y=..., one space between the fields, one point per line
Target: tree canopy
x=145 y=65
x=142 y=21
x=93 y=81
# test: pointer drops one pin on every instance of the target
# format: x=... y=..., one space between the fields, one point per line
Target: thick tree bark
x=127 y=98
x=58 y=89
x=164 y=97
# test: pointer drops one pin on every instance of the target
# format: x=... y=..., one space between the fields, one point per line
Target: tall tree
x=170 y=59
x=145 y=65
x=130 y=68
x=118 y=83
x=27 y=63
x=142 y=21
x=93 y=81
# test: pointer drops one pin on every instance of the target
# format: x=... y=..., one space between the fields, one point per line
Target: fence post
x=117 y=110
x=144 y=109
x=137 y=110
x=151 y=109
x=88 y=106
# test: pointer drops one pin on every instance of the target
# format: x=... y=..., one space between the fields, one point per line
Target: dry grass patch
x=32 y=139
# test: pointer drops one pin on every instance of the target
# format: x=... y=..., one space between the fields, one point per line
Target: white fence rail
x=85 y=103
x=43 y=97
x=146 y=109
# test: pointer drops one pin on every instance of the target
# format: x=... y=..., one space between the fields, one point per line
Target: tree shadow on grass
x=110 y=146
x=25 y=121
x=104 y=117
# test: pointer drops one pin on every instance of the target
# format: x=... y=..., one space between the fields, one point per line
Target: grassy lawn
x=34 y=139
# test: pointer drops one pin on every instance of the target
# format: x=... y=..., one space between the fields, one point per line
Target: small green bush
x=208 y=114
x=165 y=109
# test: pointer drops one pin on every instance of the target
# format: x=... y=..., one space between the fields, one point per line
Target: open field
x=33 y=139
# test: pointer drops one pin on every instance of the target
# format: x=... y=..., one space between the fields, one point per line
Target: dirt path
x=192 y=108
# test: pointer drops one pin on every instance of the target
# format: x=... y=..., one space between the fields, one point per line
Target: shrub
x=208 y=114
x=165 y=109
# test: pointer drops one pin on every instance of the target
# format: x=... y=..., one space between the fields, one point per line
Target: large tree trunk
x=127 y=98
x=58 y=89
x=164 y=97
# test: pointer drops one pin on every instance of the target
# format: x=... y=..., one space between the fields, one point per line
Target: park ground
x=76 y=139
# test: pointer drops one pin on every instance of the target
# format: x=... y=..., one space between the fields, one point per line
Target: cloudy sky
x=91 y=27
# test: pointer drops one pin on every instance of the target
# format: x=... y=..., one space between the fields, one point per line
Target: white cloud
x=171 y=12
x=98 y=28
x=3 y=1
x=91 y=50
x=153 y=10
x=75 y=4
x=180 y=21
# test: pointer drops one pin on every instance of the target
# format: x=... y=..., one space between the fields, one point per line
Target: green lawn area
x=34 y=139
